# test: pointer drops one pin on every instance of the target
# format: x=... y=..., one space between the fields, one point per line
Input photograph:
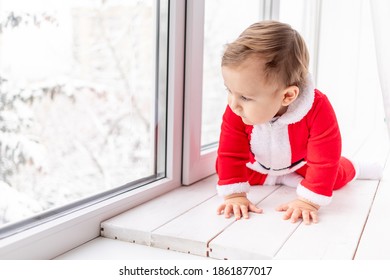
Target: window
x=83 y=103
x=210 y=25
x=177 y=146
x=306 y=20
x=224 y=21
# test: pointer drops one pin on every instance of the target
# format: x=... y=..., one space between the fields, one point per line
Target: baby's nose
x=234 y=105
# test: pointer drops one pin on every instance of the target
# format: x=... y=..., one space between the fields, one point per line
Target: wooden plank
x=136 y=224
x=192 y=231
x=261 y=236
x=375 y=241
x=108 y=249
x=337 y=234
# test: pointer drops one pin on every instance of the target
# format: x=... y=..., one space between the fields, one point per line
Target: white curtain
x=380 y=10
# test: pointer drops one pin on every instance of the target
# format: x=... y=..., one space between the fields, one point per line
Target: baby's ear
x=290 y=94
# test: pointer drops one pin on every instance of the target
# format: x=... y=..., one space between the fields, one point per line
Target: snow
x=77 y=101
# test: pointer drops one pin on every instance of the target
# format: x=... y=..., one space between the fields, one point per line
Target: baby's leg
x=345 y=174
x=255 y=178
x=350 y=170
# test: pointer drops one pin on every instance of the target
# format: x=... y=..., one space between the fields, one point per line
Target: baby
x=277 y=128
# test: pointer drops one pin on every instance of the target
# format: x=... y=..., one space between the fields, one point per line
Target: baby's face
x=255 y=101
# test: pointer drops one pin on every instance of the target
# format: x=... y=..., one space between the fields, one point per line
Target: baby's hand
x=239 y=205
x=299 y=208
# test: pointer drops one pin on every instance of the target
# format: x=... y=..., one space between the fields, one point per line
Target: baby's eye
x=228 y=90
x=243 y=98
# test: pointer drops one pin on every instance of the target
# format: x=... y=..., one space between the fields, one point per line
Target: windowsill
x=60 y=235
x=108 y=249
x=184 y=221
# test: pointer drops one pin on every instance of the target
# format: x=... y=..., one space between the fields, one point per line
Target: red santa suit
x=305 y=140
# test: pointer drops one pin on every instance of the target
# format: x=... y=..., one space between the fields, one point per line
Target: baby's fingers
x=282 y=207
x=306 y=217
x=220 y=209
x=255 y=209
x=228 y=210
x=244 y=211
x=314 y=216
x=288 y=214
x=237 y=211
x=296 y=214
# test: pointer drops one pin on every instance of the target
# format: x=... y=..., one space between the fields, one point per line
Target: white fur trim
x=270 y=144
x=301 y=106
x=233 y=188
x=312 y=196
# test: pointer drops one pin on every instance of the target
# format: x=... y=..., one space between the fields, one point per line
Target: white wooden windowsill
x=183 y=225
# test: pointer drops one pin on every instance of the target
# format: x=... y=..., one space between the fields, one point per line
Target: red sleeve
x=233 y=154
x=323 y=152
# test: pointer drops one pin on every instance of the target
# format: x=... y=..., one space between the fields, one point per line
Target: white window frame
x=57 y=236
x=199 y=163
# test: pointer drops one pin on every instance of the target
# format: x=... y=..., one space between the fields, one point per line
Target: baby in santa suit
x=277 y=128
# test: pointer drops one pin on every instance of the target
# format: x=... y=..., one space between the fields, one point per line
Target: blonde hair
x=278 y=45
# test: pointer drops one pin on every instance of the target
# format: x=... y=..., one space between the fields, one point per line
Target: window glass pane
x=302 y=16
x=78 y=112
x=224 y=22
